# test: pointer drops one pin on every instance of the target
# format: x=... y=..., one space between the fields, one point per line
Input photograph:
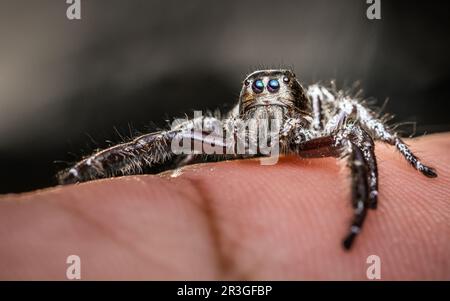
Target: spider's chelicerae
x=315 y=122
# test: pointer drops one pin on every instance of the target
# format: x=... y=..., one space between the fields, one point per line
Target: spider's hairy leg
x=412 y=159
x=367 y=145
x=346 y=109
x=318 y=96
x=360 y=191
x=294 y=132
x=356 y=144
x=353 y=143
x=372 y=176
x=350 y=108
x=379 y=131
x=315 y=94
x=148 y=150
x=121 y=159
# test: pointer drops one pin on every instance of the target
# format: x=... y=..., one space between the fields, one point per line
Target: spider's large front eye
x=273 y=85
x=258 y=86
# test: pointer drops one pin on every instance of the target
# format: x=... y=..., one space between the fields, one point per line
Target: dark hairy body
x=314 y=122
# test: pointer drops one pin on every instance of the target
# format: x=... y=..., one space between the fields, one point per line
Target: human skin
x=236 y=220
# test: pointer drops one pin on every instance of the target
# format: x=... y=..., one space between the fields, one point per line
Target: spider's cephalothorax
x=273 y=90
x=315 y=122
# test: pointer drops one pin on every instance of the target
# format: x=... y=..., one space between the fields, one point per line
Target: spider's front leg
x=357 y=147
x=132 y=157
x=121 y=159
x=355 y=144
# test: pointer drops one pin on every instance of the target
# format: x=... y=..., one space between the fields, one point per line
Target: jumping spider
x=315 y=122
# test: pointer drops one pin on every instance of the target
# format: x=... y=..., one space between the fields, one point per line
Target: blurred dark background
x=68 y=87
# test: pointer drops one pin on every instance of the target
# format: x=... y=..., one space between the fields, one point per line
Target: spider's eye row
x=258 y=86
x=273 y=85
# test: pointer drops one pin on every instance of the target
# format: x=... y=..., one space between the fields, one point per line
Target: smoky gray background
x=67 y=87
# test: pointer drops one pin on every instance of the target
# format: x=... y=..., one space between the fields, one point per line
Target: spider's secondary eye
x=258 y=86
x=246 y=82
x=285 y=79
x=273 y=85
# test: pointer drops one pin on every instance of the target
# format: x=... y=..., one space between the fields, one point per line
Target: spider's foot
x=428 y=171
x=348 y=241
x=350 y=238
